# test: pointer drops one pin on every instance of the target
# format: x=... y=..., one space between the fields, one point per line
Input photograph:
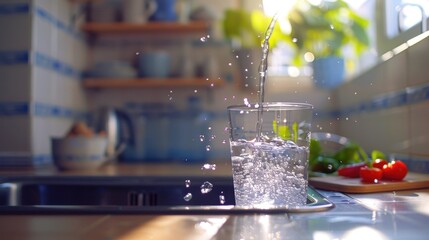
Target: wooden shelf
x=151 y=27
x=98 y=83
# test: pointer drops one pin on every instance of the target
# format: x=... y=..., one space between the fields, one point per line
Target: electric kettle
x=118 y=127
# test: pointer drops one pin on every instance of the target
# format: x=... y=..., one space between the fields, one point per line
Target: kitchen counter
x=387 y=215
x=222 y=168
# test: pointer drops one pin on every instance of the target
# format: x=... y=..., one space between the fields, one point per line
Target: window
x=399 y=21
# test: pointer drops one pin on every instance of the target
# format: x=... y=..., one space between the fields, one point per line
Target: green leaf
x=315 y=151
x=377 y=154
x=282 y=131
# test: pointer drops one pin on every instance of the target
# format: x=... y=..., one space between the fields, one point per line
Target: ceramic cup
x=138 y=11
x=165 y=11
x=155 y=64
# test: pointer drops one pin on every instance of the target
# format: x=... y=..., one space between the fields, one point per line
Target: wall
x=42 y=55
x=387 y=107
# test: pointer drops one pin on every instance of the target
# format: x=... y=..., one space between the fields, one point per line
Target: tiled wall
x=42 y=56
x=387 y=108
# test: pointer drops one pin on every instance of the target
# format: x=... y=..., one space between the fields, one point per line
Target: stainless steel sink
x=129 y=195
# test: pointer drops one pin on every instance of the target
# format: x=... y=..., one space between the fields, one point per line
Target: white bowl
x=79 y=153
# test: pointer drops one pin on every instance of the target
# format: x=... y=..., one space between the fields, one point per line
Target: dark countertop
x=387 y=215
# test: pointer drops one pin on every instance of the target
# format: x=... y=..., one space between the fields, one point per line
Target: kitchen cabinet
x=159 y=29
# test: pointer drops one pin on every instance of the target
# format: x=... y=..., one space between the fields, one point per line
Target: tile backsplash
x=387 y=107
x=43 y=56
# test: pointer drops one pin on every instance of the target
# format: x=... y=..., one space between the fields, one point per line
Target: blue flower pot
x=328 y=72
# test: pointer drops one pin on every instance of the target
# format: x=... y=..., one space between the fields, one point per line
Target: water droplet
x=195 y=91
x=208 y=166
x=137 y=53
x=246 y=70
x=236 y=56
x=222 y=198
x=208 y=148
x=203 y=39
x=212 y=85
x=188 y=197
x=229 y=64
x=213 y=137
x=224 y=141
x=347 y=118
x=187 y=183
x=206 y=187
x=202 y=137
x=246 y=102
x=329 y=98
x=294 y=40
x=209 y=128
x=331 y=26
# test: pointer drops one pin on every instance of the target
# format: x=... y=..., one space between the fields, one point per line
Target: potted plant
x=245 y=30
x=323 y=31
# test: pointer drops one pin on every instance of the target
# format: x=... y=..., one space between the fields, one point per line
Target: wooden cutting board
x=354 y=185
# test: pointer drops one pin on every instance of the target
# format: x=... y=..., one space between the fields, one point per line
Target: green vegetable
x=284 y=132
x=376 y=154
x=325 y=165
x=349 y=154
x=315 y=151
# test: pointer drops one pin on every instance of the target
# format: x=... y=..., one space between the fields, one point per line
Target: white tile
x=418 y=56
x=44 y=128
x=43 y=86
x=42 y=40
x=362 y=88
x=385 y=130
x=15 y=134
x=396 y=73
x=64 y=47
x=15 y=32
x=419 y=131
x=15 y=83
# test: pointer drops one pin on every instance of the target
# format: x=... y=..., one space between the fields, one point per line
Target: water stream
x=263 y=67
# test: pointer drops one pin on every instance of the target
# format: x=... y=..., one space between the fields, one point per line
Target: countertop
x=218 y=168
x=387 y=215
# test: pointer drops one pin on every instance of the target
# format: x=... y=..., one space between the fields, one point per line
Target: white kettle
x=118 y=128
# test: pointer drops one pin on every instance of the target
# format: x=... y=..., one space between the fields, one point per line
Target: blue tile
x=14 y=8
x=14 y=57
x=14 y=108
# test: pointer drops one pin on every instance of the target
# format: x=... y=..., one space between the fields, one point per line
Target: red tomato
x=370 y=175
x=379 y=163
x=351 y=171
x=395 y=170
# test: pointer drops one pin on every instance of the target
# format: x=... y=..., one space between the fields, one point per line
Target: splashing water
x=206 y=187
x=208 y=166
x=263 y=73
x=187 y=183
x=188 y=197
x=222 y=198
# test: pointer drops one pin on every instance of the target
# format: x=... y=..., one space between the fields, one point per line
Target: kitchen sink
x=130 y=195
